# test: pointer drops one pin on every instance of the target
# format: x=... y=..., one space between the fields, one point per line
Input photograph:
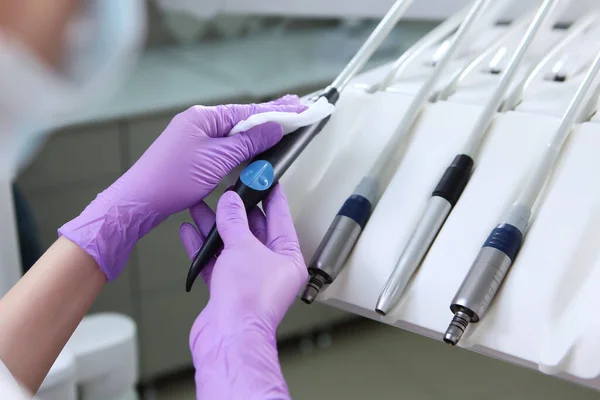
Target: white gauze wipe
x=289 y=121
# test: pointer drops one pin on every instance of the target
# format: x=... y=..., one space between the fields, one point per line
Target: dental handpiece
x=256 y=180
x=347 y=226
x=454 y=180
x=492 y=264
x=267 y=168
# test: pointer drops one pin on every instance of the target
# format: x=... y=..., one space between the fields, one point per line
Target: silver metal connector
x=456 y=328
x=312 y=289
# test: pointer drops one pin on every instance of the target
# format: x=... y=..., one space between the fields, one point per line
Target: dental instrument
x=498 y=253
x=494 y=65
x=574 y=61
x=498 y=63
x=266 y=169
x=439 y=53
x=437 y=35
x=574 y=31
x=348 y=224
x=451 y=185
x=581 y=27
x=489 y=18
x=405 y=60
x=477 y=60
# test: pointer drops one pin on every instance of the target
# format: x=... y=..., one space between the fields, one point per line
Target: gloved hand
x=180 y=168
x=253 y=283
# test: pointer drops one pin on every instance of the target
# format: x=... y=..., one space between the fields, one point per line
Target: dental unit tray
x=545 y=315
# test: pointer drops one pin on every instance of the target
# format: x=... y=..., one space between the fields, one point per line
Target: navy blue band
x=507 y=239
x=357 y=208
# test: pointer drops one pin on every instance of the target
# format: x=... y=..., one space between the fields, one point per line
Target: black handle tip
x=191 y=277
x=211 y=246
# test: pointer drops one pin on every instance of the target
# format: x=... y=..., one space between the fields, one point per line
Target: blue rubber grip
x=357 y=208
x=258 y=175
x=506 y=238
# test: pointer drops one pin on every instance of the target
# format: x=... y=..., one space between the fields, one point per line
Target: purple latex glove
x=183 y=165
x=253 y=283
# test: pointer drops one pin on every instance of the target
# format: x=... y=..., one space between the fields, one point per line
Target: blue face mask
x=102 y=45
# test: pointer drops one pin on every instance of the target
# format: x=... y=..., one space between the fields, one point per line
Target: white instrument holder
x=437 y=36
x=546 y=314
x=478 y=59
x=580 y=27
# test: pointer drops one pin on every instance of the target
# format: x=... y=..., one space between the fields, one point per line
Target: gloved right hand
x=252 y=284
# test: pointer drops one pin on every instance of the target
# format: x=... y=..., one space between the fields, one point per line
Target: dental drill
x=498 y=253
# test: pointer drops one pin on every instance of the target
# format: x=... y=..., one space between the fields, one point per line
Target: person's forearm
x=39 y=314
x=237 y=363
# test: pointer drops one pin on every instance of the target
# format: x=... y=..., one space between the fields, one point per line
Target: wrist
x=108 y=229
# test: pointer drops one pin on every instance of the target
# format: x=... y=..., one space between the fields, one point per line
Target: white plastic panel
x=544 y=316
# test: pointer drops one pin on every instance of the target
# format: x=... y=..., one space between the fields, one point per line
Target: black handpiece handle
x=257 y=179
x=209 y=248
x=254 y=184
x=213 y=242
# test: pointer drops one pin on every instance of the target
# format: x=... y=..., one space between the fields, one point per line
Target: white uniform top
x=9 y=387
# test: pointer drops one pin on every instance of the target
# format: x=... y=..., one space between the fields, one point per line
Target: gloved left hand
x=252 y=284
x=180 y=168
